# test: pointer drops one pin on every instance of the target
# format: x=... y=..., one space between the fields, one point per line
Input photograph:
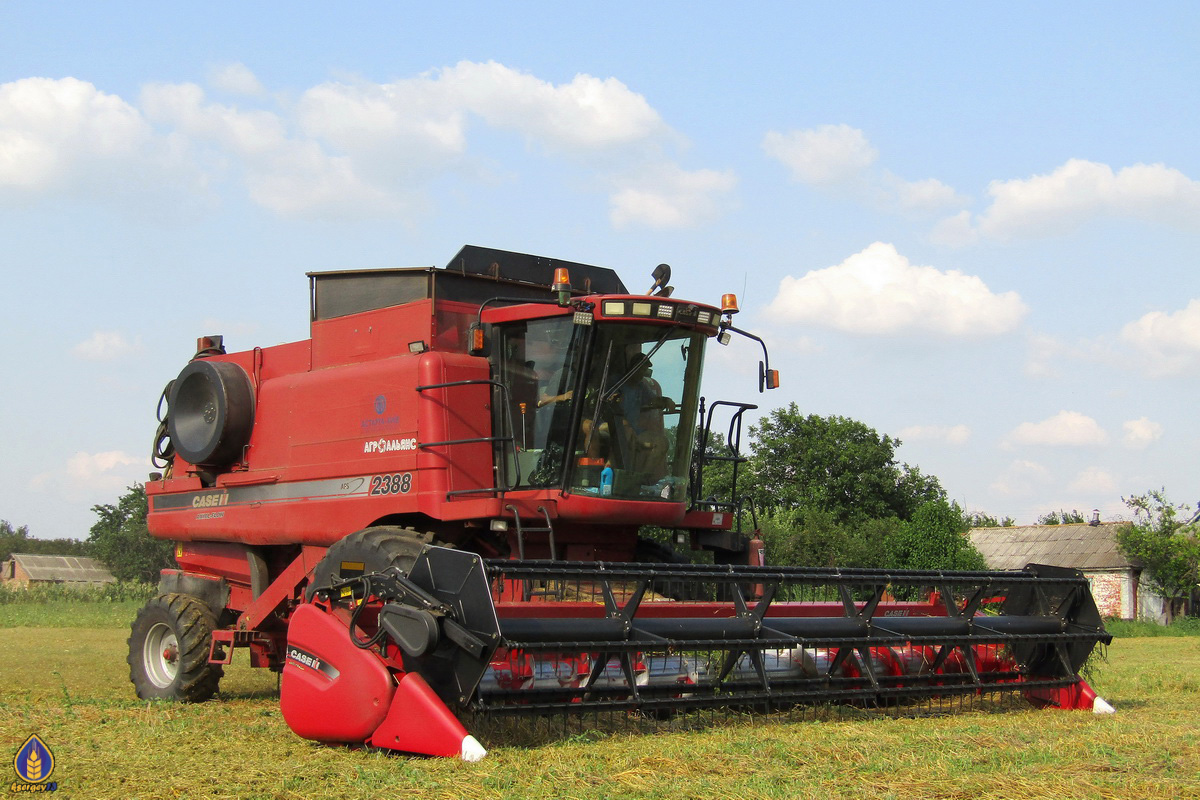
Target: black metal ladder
x=548 y=529
x=539 y=588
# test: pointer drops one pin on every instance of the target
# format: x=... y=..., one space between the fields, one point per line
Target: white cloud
x=1045 y=355
x=954 y=231
x=588 y=113
x=1049 y=357
x=1141 y=433
x=1093 y=480
x=877 y=291
x=87 y=475
x=840 y=157
x=290 y=176
x=1064 y=429
x=67 y=137
x=349 y=149
x=303 y=181
x=670 y=197
x=951 y=434
x=236 y=79
x=402 y=124
x=929 y=194
x=363 y=148
x=184 y=107
x=822 y=156
x=92 y=466
x=431 y=112
x=1157 y=344
x=1080 y=191
x=1021 y=478
x=46 y=125
x=1169 y=343
x=1083 y=358
x=104 y=346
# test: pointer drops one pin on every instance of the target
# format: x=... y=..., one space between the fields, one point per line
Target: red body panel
x=333 y=450
x=419 y=722
x=1079 y=696
x=344 y=436
x=331 y=691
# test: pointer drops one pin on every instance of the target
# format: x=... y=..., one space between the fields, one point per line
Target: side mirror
x=767 y=378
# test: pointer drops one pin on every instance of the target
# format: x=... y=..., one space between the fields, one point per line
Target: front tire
x=368 y=551
x=169 y=643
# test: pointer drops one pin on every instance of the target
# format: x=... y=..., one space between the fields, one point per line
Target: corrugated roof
x=63 y=568
x=1080 y=546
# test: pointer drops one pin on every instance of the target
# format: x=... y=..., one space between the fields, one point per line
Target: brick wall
x=12 y=575
x=1113 y=592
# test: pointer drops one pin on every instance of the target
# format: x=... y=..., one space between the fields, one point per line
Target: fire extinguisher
x=757 y=558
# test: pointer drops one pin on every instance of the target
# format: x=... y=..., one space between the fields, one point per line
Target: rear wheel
x=169 y=643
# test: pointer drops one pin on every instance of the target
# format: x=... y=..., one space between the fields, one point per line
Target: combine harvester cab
x=428 y=512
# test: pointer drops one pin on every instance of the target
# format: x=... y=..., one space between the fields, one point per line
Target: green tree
x=1166 y=543
x=1061 y=517
x=12 y=540
x=717 y=481
x=121 y=540
x=834 y=464
x=814 y=538
x=934 y=539
x=18 y=540
x=778 y=527
x=978 y=519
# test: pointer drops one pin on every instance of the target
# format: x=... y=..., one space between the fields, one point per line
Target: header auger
x=428 y=513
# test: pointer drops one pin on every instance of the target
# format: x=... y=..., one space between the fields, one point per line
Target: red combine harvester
x=429 y=512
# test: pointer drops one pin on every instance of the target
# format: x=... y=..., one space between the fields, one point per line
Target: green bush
x=122 y=542
x=1125 y=629
x=118 y=592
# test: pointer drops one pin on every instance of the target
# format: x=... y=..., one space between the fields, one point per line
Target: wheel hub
x=160 y=656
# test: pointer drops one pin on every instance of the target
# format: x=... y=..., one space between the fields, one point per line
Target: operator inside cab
x=615 y=396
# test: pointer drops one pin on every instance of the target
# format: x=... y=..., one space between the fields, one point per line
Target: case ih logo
x=389 y=445
x=304 y=659
x=210 y=500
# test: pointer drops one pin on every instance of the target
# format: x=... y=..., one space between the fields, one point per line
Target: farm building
x=25 y=569
x=1091 y=548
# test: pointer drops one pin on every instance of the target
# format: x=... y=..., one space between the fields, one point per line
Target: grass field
x=68 y=682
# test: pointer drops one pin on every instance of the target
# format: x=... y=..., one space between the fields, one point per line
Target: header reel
x=504 y=638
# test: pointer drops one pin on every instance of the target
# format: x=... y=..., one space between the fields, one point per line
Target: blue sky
x=971 y=227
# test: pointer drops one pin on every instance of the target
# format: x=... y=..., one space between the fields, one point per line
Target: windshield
x=639 y=412
x=538 y=361
x=626 y=423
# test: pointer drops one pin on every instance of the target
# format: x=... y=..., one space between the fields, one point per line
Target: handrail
x=506 y=399
x=733 y=443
